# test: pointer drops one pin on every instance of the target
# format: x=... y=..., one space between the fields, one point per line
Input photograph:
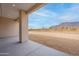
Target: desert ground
x=67 y=42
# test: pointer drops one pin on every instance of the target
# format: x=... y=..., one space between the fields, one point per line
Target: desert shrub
x=73 y=29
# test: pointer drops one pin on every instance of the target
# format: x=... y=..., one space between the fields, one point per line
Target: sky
x=53 y=14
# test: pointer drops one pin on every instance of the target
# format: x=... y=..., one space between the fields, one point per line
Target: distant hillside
x=67 y=26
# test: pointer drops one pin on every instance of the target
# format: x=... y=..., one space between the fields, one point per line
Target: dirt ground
x=66 y=42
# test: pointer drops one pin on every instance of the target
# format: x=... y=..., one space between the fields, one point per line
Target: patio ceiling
x=11 y=10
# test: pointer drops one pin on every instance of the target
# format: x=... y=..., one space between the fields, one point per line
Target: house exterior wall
x=8 y=27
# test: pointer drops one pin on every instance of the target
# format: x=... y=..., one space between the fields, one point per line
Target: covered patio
x=14 y=39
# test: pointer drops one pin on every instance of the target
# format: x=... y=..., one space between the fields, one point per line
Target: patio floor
x=11 y=47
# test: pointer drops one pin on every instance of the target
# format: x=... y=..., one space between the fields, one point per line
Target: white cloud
x=70 y=14
x=50 y=13
x=75 y=7
x=68 y=17
x=40 y=14
x=46 y=13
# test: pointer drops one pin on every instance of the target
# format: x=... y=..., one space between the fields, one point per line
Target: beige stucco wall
x=23 y=26
x=8 y=27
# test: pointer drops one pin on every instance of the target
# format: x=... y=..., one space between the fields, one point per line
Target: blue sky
x=53 y=14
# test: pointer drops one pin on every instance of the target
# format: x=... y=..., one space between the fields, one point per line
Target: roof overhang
x=11 y=10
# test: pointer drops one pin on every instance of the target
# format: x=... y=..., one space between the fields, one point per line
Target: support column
x=23 y=26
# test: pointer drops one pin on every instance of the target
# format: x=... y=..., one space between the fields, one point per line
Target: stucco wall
x=8 y=27
x=23 y=26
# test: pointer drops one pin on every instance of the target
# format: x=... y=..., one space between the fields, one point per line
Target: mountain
x=67 y=26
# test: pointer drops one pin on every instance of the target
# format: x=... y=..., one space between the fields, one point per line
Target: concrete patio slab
x=11 y=47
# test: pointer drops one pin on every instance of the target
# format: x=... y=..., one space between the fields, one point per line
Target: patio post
x=23 y=26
